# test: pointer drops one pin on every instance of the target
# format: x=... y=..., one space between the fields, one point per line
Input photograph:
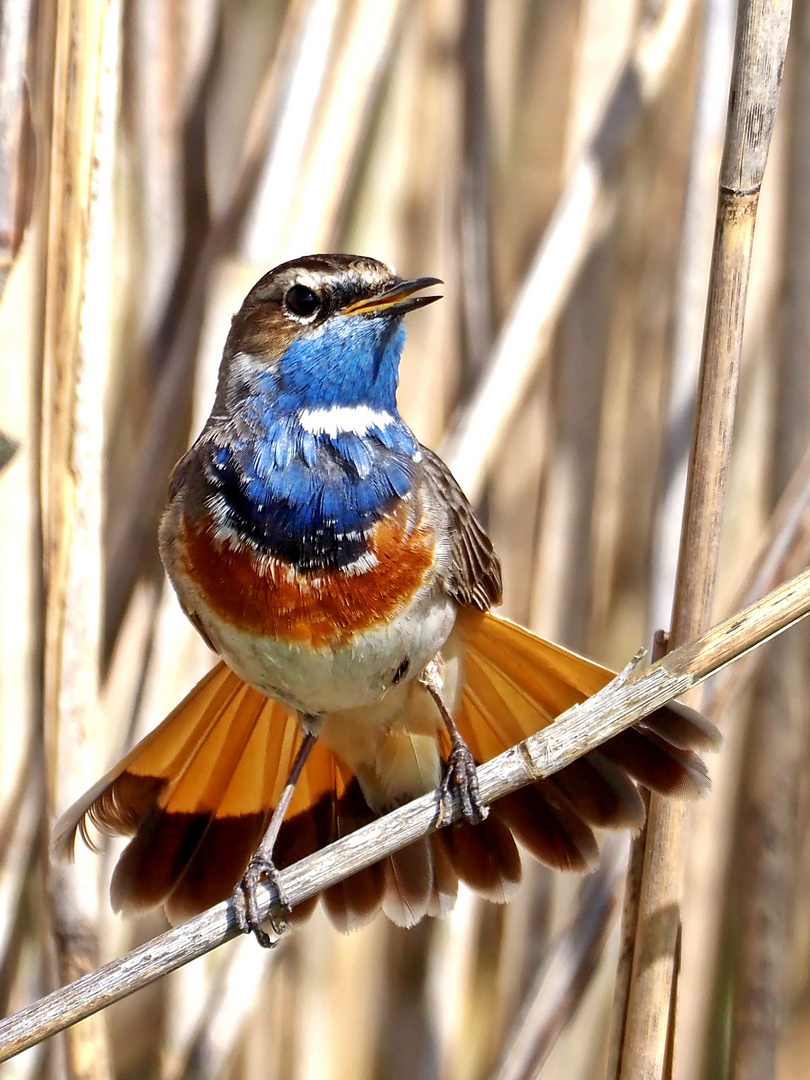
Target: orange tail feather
x=515 y=684
x=198 y=792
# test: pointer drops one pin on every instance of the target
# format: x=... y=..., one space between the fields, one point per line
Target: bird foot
x=246 y=904
x=462 y=776
x=462 y=773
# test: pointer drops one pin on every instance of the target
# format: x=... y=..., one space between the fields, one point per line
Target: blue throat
x=352 y=361
x=310 y=496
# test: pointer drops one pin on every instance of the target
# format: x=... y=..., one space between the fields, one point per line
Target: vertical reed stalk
x=761 y=41
x=769 y=828
x=74 y=355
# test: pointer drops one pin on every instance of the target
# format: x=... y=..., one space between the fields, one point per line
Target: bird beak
x=396 y=300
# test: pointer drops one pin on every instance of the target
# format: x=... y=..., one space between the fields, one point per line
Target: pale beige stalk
x=761 y=39
x=77 y=251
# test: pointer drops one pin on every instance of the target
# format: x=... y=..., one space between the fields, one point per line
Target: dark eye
x=302 y=301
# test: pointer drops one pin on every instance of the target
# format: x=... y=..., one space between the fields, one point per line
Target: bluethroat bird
x=338 y=570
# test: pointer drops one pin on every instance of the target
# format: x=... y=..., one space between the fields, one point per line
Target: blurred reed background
x=156 y=157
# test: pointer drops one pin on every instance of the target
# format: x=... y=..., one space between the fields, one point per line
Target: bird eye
x=302 y=301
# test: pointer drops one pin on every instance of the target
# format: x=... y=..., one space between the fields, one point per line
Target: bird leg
x=261 y=867
x=462 y=773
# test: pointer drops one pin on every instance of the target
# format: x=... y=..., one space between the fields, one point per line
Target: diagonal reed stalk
x=622 y=703
x=577 y=223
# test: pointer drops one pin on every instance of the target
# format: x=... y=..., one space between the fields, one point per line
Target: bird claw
x=462 y=773
x=462 y=776
x=246 y=903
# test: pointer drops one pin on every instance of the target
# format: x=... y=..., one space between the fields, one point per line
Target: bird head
x=305 y=449
x=321 y=333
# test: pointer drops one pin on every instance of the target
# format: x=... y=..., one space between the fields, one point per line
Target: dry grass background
x=164 y=154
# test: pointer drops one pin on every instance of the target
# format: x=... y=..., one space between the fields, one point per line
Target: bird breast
x=320 y=640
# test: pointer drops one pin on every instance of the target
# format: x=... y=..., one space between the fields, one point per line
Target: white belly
x=321 y=680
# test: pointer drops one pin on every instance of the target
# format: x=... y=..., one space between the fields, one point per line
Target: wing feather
x=475 y=572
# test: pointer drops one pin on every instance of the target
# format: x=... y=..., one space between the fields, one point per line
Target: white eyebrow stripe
x=357 y=418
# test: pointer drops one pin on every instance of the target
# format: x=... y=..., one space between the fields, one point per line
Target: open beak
x=396 y=300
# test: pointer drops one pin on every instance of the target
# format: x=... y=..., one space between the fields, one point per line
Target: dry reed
x=555 y=163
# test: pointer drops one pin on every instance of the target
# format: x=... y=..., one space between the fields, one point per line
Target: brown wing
x=475 y=575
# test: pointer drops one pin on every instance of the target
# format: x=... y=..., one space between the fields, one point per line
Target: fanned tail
x=197 y=793
x=515 y=684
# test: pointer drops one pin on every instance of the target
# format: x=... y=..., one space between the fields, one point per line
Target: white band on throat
x=357 y=418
